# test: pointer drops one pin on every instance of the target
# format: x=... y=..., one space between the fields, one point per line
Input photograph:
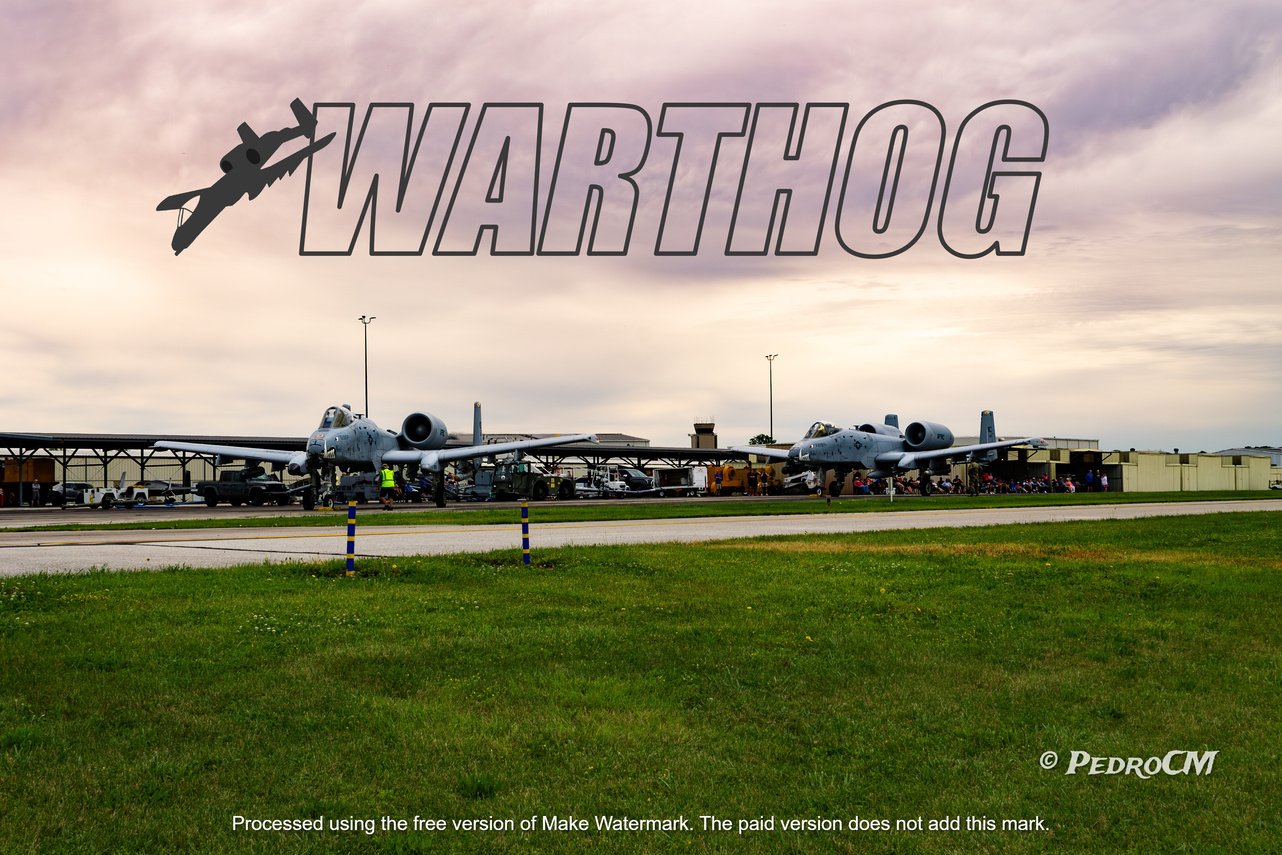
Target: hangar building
x=103 y=459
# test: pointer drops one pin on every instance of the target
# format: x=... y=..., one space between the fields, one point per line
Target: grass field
x=859 y=678
x=482 y=514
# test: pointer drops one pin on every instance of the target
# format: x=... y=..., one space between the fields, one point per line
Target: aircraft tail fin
x=477 y=438
x=892 y=419
x=306 y=121
x=987 y=433
x=987 y=427
x=247 y=134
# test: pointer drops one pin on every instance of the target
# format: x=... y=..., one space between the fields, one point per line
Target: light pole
x=366 y=322
x=770 y=358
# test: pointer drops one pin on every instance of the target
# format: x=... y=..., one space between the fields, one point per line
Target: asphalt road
x=23 y=553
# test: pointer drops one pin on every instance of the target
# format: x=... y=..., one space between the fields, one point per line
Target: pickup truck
x=240 y=486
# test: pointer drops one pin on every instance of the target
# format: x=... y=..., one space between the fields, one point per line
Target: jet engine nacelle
x=423 y=431
x=298 y=464
x=927 y=436
x=880 y=430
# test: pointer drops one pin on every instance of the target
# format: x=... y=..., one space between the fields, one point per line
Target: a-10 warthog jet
x=353 y=443
x=245 y=172
x=884 y=451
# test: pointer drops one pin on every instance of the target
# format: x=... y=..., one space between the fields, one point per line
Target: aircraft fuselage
x=848 y=448
x=360 y=445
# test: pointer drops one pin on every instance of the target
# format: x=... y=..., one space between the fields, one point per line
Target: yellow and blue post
x=525 y=532
x=351 y=538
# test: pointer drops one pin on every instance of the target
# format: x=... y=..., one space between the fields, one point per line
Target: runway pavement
x=24 y=553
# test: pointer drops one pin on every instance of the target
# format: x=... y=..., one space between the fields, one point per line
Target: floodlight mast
x=770 y=358
x=366 y=321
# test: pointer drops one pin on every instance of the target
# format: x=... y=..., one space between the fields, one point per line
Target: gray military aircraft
x=885 y=451
x=350 y=442
x=245 y=173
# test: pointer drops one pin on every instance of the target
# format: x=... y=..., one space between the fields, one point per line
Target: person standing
x=387 y=487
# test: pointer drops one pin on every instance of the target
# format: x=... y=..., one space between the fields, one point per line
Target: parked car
x=70 y=493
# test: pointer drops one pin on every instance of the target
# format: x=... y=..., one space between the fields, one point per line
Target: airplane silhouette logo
x=244 y=174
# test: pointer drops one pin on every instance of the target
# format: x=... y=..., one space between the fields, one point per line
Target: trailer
x=681 y=481
x=746 y=480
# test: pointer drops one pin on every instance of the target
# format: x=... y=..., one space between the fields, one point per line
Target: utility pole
x=770 y=358
x=366 y=322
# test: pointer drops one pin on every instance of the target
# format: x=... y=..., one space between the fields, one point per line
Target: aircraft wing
x=237 y=452
x=176 y=201
x=435 y=459
x=287 y=165
x=762 y=451
x=913 y=459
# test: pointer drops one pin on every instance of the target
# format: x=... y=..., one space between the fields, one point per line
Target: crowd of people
x=1092 y=481
x=986 y=484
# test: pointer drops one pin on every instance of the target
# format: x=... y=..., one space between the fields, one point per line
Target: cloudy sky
x=1146 y=312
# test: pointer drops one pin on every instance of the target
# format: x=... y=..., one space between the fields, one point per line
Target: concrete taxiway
x=24 y=553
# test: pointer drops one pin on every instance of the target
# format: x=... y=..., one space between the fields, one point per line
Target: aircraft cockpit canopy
x=336 y=417
x=821 y=429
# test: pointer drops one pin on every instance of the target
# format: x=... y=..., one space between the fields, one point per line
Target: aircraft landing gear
x=309 y=495
x=316 y=494
x=438 y=487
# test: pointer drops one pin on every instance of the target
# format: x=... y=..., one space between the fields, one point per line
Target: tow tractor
x=139 y=493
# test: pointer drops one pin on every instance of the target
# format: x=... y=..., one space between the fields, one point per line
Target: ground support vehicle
x=479 y=487
x=802 y=483
x=527 y=480
x=421 y=491
x=236 y=487
x=746 y=480
x=681 y=481
x=127 y=496
x=359 y=487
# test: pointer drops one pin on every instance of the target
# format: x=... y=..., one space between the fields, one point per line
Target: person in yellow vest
x=387 y=487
